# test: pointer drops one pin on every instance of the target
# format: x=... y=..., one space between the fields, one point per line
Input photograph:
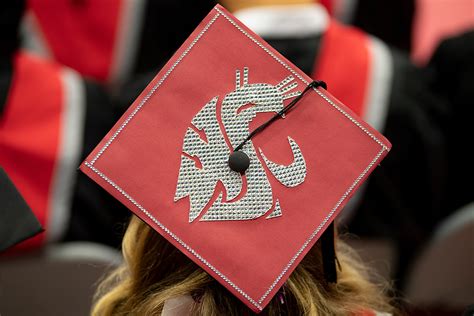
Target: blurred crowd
x=70 y=68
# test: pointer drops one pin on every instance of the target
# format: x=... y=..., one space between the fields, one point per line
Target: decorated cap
x=236 y=157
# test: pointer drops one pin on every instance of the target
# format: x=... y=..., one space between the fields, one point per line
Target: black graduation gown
x=452 y=79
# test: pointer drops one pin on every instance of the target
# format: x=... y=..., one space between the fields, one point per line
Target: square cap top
x=167 y=158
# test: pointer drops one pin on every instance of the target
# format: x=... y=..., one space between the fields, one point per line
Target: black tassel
x=329 y=254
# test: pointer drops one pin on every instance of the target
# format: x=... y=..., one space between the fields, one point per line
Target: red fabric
x=328 y=4
x=29 y=133
x=343 y=63
x=80 y=34
x=140 y=166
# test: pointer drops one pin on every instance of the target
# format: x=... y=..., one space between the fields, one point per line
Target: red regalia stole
x=40 y=137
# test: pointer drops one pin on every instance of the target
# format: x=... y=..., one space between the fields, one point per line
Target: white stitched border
x=350 y=118
x=172 y=235
x=326 y=219
x=165 y=229
x=220 y=274
x=300 y=77
x=204 y=30
x=147 y=97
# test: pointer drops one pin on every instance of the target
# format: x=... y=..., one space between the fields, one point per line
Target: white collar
x=294 y=21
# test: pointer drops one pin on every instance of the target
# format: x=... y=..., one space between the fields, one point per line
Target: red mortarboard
x=167 y=158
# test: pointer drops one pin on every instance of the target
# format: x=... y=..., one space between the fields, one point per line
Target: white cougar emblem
x=204 y=161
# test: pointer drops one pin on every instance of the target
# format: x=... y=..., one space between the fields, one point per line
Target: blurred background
x=70 y=68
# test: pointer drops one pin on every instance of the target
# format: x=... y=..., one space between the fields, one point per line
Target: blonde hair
x=155 y=271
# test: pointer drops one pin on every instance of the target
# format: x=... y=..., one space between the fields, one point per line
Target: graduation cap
x=236 y=157
x=17 y=222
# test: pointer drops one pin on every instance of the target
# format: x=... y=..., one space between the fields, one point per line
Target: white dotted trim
x=321 y=225
x=196 y=39
x=158 y=84
x=351 y=119
x=166 y=230
x=172 y=235
x=301 y=78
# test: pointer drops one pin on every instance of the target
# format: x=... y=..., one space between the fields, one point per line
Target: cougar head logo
x=204 y=161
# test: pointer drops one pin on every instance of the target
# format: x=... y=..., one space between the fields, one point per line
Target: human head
x=154 y=271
